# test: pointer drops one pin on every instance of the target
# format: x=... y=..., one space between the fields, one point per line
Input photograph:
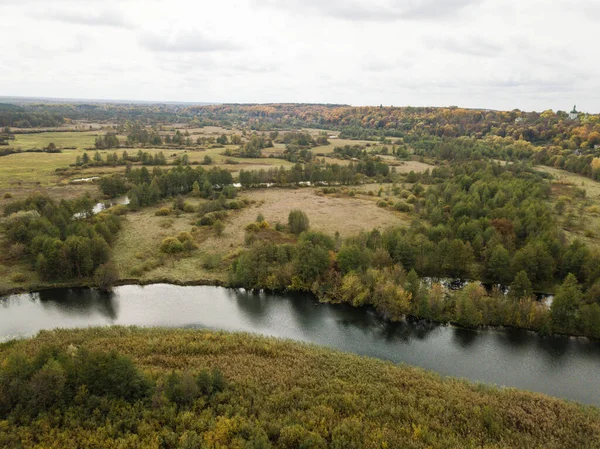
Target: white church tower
x=573 y=114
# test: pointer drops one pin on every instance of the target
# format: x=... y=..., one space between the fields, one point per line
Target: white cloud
x=475 y=53
x=373 y=10
x=85 y=18
x=193 y=41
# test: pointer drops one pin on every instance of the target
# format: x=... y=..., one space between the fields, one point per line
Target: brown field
x=138 y=256
x=408 y=166
x=328 y=214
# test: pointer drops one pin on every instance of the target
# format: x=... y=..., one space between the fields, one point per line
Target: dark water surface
x=559 y=366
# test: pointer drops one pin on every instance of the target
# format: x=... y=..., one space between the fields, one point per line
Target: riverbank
x=90 y=283
x=337 y=399
x=570 y=367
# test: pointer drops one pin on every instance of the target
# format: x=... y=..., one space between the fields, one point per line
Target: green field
x=78 y=140
x=292 y=395
x=40 y=168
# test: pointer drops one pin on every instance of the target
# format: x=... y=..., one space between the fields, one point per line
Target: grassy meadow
x=137 y=254
x=75 y=139
x=579 y=215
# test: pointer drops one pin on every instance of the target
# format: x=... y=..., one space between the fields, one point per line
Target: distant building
x=519 y=120
x=573 y=114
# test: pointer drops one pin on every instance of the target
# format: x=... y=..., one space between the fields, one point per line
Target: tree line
x=62 y=241
x=362 y=272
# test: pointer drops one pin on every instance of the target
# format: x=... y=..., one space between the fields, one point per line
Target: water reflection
x=464 y=337
x=254 y=305
x=83 y=302
x=306 y=312
x=559 y=366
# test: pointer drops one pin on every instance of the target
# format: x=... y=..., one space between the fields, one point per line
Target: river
x=559 y=366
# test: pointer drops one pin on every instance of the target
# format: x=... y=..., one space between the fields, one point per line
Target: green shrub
x=211 y=262
x=382 y=203
x=171 y=245
x=402 y=207
x=298 y=222
x=207 y=220
x=18 y=278
x=7 y=196
x=219 y=227
x=185 y=236
x=252 y=227
x=106 y=276
x=119 y=209
x=163 y=212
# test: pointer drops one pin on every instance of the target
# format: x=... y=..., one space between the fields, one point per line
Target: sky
x=496 y=54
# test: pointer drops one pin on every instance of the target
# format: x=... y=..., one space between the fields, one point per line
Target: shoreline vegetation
x=213 y=283
x=219 y=389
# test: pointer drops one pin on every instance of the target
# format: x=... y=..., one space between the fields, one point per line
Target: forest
x=62 y=241
x=160 y=388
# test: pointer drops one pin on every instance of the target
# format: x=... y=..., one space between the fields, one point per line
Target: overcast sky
x=498 y=54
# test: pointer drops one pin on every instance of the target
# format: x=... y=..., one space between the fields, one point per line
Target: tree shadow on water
x=464 y=337
x=253 y=304
x=380 y=328
x=85 y=302
x=405 y=331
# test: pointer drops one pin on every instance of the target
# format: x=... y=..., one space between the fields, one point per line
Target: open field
x=346 y=215
x=138 y=256
x=79 y=140
x=408 y=166
x=326 y=149
x=137 y=250
x=40 y=168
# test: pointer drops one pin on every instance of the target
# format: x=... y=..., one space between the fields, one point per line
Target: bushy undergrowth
x=155 y=388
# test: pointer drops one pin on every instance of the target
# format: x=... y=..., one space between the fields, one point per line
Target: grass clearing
x=137 y=250
x=327 y=213
x=326 y=149
x=416 y=166
x=79 y=140
x=581 y=216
